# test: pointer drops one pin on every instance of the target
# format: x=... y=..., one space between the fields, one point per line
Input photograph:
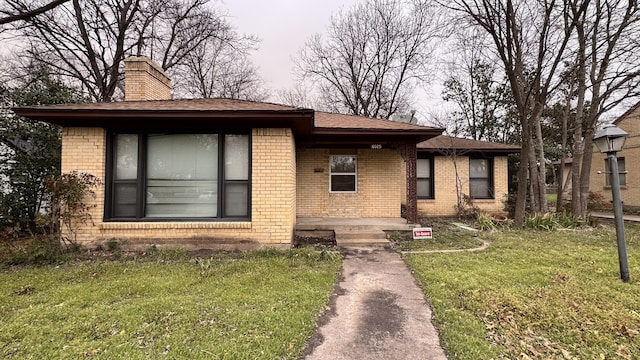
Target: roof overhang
x=461 y=152
x=339 y=136
x=300 y=121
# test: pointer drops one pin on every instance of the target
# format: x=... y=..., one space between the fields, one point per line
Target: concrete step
x=355 y=227
x=361 y=238
x=360 y=234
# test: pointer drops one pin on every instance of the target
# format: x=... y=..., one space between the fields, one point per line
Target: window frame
x=431 y=178
x=141 y=179
x=354 y=174
x=489 y=178
x=622 y=171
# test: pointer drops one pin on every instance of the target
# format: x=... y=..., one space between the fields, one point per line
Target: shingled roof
x=201 y=113
x=442 y=143
x=342 y=121
x=205 y=105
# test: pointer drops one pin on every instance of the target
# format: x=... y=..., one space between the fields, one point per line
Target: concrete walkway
x=377 y=312
x=607 y=215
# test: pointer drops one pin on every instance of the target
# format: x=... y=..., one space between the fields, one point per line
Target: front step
x=351 y=237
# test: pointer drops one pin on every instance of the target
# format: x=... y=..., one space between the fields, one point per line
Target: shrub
x=545 y=222
x=466 y=208
x=486 y=221
x=552 y=221
x=68 y=193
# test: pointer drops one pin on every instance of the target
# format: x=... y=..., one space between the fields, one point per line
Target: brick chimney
x=145 y=80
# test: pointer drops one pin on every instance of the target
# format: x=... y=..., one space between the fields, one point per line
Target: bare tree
x=373 y=56
x=606 y=40
x=220 y=67
x=480 y=94
x=299 y=96
x=530 y=38
x=87 y=40
x=16 y=10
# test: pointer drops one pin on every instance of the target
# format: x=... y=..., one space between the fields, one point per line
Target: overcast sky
x=283 y=27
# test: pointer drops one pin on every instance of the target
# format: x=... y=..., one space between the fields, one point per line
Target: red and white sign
x=422 y=233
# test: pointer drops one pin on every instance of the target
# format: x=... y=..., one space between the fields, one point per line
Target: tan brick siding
x=273 y=200
x=379 y=187
x=445 y=199
x=145 y=80
x=630 y=193
x=83 y=150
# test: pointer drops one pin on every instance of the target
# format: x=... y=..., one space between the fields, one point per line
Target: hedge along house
x=479 y=168
x=227 y=173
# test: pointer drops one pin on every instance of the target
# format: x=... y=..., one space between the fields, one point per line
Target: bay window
x=178 y=176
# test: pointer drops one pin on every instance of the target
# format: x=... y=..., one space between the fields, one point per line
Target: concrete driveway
x=377 y=312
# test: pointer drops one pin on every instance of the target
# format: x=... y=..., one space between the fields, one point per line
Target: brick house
x=230 y=173
x=480 y=168
x=630 y=154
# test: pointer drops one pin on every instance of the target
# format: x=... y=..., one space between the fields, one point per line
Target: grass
x=446 y=236
x=536 y=295
x=259 y=305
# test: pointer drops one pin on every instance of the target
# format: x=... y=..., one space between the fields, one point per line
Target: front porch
x=352 y=231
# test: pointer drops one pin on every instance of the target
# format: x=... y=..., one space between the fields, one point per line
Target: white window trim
x=355 y=174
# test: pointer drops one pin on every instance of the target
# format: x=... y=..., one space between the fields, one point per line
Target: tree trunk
x=541 y=165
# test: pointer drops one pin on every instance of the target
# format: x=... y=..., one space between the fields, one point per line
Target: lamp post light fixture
x=610 y=140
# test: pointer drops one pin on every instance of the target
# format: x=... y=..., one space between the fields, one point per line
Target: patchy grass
x=258 y=305
x=536 y=295
x=446 y=236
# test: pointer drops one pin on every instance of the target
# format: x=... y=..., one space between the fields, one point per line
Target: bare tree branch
x=21 y=12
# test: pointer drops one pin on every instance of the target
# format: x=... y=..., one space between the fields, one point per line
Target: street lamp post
x=610 y=140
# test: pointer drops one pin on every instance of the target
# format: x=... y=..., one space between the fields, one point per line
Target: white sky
x=283 y=27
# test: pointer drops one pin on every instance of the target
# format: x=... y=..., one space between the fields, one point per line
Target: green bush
x=486 y=221
x=553 y=221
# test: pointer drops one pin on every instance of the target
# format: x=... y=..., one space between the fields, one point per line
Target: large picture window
x=621 y=170
x=425 y=178
x=481 y=179
x=178 y=176
x=343 y=176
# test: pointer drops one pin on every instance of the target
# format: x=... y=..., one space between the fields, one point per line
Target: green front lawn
x=541 y=295
x=262 y=305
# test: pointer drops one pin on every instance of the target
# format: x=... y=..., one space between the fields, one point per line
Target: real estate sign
x=422 y=233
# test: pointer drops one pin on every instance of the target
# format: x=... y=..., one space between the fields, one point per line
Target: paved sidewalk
x=609 y=215
x=377 y=312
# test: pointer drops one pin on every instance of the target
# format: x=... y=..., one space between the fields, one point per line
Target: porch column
x=409 y=154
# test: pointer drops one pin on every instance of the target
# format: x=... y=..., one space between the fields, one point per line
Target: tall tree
x=606 y=39
x=31 y=149
x=530 y=39
x=482 y=102
x=87 y=40
x=16 y=10
x=372 y=57
x=221 y=67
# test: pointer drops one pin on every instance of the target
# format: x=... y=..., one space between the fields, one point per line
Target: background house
x=450 y=168
x=629 y=181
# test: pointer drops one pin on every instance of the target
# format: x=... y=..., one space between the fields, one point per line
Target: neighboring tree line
x=86 y=41
x=566 y=65
x=540 y=74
